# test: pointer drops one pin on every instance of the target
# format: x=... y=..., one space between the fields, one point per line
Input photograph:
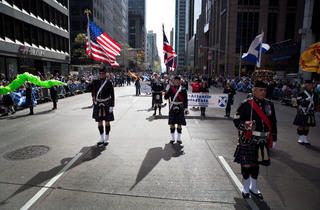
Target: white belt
x=176 y=103
x=262 y=134
x=103 y=100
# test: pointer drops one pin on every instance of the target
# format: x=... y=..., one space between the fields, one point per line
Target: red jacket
x=195 y=87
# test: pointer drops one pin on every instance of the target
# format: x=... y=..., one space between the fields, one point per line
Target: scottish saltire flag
x=19 y=98
x=169 y=54
x=256 y=49
x=100 y=46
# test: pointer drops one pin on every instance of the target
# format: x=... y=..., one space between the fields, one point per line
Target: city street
x=139 y=169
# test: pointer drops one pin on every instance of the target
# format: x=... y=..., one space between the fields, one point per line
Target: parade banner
x=145 y=87
x=207 y=100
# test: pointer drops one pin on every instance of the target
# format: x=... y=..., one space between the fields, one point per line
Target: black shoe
x=179 y=142
x=257 y=196
x=105 y=144
x=171 y=141
x=154 y=114
x=245 y=195
x=99 y=144
x=160 y=114
x=31 y=113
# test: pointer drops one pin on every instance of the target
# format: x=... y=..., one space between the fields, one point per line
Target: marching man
x=157 y=89
x=177 y=109
x=103 y=100
x=307 y=102
x=256 y=121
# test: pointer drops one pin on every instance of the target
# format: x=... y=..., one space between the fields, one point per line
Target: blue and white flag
x=256 y=49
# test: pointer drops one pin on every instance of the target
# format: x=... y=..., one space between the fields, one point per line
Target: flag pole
x=260 y=51
x=88 y=12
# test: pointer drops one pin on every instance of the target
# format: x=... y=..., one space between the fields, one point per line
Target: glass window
x=18 y=31
x=9 y=27
x=273 y=3
x=18 y=3
x=290 y=26
x=1 y=26
x=272 y=27
x=26 y=5
x=247 y=29
x=26 y=33
x=292 y=3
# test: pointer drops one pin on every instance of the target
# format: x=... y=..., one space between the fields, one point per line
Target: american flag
x=100 y=46
x=169 y=54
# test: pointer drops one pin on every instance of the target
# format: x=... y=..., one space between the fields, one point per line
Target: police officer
x=103 y=99
x=256 y=121
x=157 y=88
x=177 y=109
x=305 y=118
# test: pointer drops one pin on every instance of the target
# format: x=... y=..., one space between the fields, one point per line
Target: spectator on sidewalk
x=204 y=89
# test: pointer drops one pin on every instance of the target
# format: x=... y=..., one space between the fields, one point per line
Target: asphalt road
x=139 y=169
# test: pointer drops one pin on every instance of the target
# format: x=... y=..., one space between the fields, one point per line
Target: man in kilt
x=157 y=88
x=177 y=109
x=305 y=118
x=257 y=125
x=103 y=103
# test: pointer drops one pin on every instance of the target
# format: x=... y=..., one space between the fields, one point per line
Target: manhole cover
x=27 y=152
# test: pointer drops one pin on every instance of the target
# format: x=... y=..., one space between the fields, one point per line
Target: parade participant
x=103 y=98
x=157 y=89
x=29 y=101
x=257 y=124
x=305 y=118
x=203 y=89
x=54 y=96
x=177 y=109
x=138 y=86
x=231 y=92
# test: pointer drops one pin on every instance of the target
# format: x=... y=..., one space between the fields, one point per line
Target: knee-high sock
x=179 y=134
x=101 y=133
x=254 y=172
x=159 y=109
x=172 y=130
x=246 y=181
x=108 y=128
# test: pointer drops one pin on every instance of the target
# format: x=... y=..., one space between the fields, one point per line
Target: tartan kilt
x=177 y=117
x=302 y=119
x=157 y=98
x=101 y=113
x=248 y=153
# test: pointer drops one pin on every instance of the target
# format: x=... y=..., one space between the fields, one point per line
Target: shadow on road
x=13 y=117
x=313 y=148
x=87 y=107
x=240 y=204
x=89 y=153
x=153 y=157
x=309 y=172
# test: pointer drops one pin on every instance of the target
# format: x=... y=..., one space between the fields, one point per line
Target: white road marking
x=50 y=183
x=235 y=180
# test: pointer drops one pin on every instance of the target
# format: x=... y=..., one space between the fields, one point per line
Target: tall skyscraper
x=180 y=35
x=34 y=37
x=136 y=19
x=151 y=50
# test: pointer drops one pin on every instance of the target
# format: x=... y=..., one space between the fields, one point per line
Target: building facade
x=230 y=26
x=151 y=50
x=137 y=23
x=180 y=33
x=34 y=37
